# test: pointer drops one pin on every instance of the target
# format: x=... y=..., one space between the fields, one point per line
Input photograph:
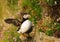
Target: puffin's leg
x=23 y=36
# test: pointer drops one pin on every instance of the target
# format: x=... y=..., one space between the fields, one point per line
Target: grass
x=49 y=32
x=12 y=4
x=9 y=8
x=10 y=31
x=57 y=26
x=34 y=9
x=50 y=2
x=5 y=40
x=10 y=34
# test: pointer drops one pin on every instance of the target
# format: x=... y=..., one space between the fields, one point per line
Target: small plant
x=50 y=2
x=40 y=30
x=57 y=26
x=49 y=32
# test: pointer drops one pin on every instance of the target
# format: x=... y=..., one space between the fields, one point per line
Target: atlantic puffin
x=25 y=28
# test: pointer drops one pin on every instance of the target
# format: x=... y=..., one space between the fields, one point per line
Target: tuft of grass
x=50 y=2
x=40 y=30
x=11 y=40
x=57 y=26
x=33 y=5
x=5 y=40
x=49 y=32
x=13 y=33
x=12 y=4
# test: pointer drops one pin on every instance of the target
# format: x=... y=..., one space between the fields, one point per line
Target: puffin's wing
x=15 y=22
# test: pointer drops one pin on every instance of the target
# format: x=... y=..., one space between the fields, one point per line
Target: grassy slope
x=9 y=9
x=7 y=32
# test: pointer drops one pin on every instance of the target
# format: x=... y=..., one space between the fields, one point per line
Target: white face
x=26 y=16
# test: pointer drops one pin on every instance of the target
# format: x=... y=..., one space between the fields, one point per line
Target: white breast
x=26 y=25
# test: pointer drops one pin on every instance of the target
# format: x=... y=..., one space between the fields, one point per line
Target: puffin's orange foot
x=23 y=36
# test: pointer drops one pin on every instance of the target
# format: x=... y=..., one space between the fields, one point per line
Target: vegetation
x=12 y=4
x=9 y=8
x=50 y=2
x=33 y=8
x=49 y=32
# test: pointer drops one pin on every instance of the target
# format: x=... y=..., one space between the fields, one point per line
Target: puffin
x=25 y=26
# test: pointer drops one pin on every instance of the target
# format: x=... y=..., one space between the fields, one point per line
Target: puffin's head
x=26 y=16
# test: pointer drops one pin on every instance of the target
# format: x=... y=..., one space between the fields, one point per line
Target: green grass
x=0 y=11
x=50 y=2
x=6 y=7
x=57 y=26
x=12 y=33
x=49 y=32
x=5 y=40
x=1 y=7
x=35 y=7
x=40 y=30
x=13 y=5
